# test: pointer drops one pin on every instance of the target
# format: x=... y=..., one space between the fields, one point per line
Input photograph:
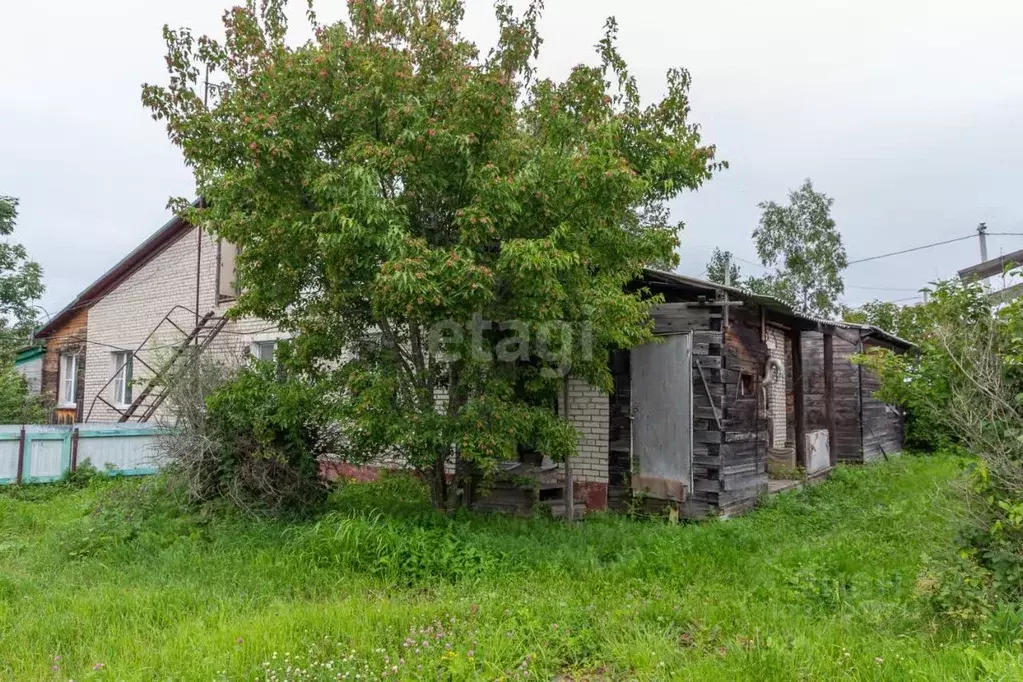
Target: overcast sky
x=907 y=113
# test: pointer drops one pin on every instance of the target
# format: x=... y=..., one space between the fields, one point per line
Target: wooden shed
x=738 y=379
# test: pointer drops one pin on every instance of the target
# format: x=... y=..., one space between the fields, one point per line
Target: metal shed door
x=662 y=406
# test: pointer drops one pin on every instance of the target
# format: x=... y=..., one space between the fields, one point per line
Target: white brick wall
x=589 y=411
x=776 y=393
x=126 y=315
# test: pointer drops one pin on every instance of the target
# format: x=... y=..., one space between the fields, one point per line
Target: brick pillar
x=589 y=411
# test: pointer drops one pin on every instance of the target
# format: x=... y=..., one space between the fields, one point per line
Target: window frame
x=256 y=345
x=222 y=296
x=68 y=373
x=123 y=371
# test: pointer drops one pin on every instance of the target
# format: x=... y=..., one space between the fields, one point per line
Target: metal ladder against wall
x=194 y=343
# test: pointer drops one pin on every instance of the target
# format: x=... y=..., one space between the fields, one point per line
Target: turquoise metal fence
x=40 y=454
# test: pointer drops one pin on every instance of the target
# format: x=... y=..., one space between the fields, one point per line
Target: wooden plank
x=713 y=405
x=829 y=395
x=799 y=416
x=74 y=450
x=21 y=456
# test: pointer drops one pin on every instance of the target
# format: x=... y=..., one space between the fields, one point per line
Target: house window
x=122 y=382
x=746 y=384
x=68 y=379
x=264 y=350
x=227 y=255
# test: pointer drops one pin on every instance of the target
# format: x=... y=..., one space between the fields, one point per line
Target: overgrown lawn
x=114 y=582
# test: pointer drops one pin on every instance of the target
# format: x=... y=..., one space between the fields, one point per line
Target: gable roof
x=141 y=255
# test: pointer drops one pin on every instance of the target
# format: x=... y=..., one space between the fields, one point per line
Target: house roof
x=141 y=255
x=772 y=303
x=995 y=266
x=29 y=354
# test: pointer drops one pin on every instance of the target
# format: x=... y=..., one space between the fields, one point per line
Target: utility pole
x=728 y=283
x=982 y=237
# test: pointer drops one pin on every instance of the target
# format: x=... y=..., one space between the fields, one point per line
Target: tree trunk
x=438 y=485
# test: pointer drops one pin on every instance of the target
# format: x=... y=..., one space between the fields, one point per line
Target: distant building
x=29 y=363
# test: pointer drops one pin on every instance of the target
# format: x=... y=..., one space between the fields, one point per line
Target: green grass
x=816 y=585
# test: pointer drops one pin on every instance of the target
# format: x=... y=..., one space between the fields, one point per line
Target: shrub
x=964 y=387
x=81 y=476
x=251 y=437
x=17 y=405
x=957 y=588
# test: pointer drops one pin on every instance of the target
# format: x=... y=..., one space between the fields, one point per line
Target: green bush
x=254 y=441
x=17 y=405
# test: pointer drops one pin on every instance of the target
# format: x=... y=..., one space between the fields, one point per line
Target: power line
x=915 y=248
x=857 y=286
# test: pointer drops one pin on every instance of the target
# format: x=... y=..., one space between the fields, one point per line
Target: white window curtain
x=68 y=379
x=122 y=386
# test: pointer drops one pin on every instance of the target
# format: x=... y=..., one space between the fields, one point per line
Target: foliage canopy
x=21 y=282
x=802 y=244
x=410 y=208
x=720 y=261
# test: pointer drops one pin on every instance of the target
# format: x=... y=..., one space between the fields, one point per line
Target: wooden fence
x=44 y=453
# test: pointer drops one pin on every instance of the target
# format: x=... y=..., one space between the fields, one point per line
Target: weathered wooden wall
x=704 y=322
x=69 y=338
x=730 y=431
x=729 y=424
x=865 y=428
x=846 y=393
x=743 y=452
x=882 y=425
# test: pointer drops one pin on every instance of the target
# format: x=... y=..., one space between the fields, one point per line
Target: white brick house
x=177 y=271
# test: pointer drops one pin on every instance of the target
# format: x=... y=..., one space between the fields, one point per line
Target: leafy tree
x=892 y=317
x=800 y=241
x=413 y=210
x=21 y=282
x=719 y=260
x=17 y=405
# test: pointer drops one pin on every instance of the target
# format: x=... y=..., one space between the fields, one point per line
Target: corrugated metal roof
x=29 y=354
x=774 y=304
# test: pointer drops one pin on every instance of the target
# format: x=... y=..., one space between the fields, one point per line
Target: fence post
x=74 y=449
x=21 y=455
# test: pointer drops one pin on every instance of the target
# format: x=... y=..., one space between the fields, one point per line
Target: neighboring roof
x=142 y=254
x=865 y=330
x=29 y=354
x=995 y=266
